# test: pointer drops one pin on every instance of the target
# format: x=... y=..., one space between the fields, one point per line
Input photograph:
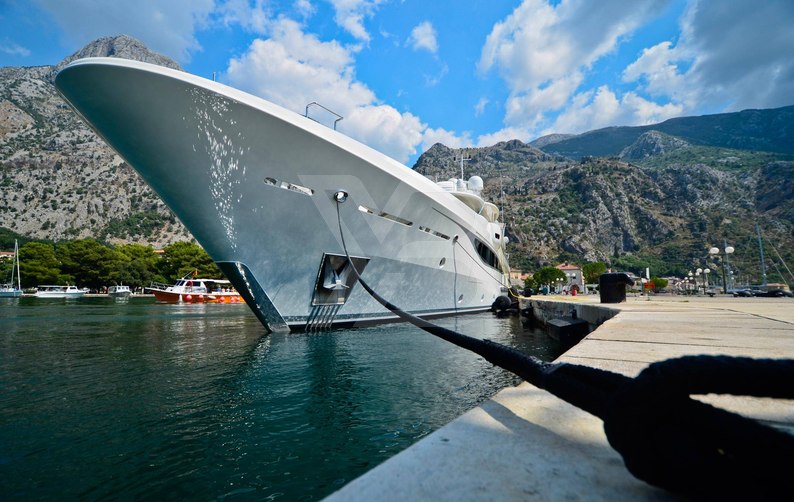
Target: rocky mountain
x=632 y=215
x=652 y=143
x=58 y=180
x=123 y=47
x=550 y=139
x=441 y=163
x=763 y=130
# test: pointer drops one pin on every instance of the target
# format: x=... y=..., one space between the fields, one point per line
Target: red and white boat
x=190 y=289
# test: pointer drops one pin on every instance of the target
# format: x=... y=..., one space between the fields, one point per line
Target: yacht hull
x=256 y=186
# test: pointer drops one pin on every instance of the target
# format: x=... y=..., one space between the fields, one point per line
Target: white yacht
x=51 y=291
x=270 y=194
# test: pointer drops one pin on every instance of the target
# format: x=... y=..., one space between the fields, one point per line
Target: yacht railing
x=315 y=103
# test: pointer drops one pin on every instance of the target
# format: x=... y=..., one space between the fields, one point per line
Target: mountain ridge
x=769 y=130
x=632 y=213
x=58 y=180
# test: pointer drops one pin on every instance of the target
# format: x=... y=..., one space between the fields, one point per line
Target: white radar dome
x=475 y=184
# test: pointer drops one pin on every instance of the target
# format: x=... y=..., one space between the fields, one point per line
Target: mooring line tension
x=665 y=437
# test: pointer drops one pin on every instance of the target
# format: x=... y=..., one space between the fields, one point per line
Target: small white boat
x=120 y=291
x=53 y=291
x=10 y=290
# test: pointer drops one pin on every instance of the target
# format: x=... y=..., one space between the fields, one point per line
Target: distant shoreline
x=95 y=295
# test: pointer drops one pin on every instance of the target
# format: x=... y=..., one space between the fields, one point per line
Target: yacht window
x=486 y=253
x=431 y=231
x=289 y=186
x=382 y=214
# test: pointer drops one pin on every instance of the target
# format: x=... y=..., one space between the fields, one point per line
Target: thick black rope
x=665 y=437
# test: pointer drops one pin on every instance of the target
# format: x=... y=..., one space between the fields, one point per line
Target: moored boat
x=57 y=291
x=11 y=290
x=190 y=289
x=272 y=195
x=119 y=291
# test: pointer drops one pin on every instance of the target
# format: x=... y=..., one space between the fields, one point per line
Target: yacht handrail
x=315 y=103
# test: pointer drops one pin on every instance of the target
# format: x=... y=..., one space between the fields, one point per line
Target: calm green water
x=137 y=400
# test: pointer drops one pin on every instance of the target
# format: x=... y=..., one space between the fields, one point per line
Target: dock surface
x=525 y=443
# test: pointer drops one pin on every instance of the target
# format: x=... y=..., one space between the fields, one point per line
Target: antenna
x=463 y=159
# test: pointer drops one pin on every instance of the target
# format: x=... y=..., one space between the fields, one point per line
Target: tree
x=91 y=263
x=548 y=275
x=139 y=267
x=592 y=271
x=7 y=238
x=658 y=283
x=181 y=258
x=39 y=265
x=531 y=283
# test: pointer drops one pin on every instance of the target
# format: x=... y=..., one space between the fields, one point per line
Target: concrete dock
x=524 y=443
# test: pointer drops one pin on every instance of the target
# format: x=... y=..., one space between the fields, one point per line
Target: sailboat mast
x=761 y=249
x=16 y=257
x=15 y=265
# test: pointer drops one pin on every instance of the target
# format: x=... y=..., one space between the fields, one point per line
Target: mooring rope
x=665 y=437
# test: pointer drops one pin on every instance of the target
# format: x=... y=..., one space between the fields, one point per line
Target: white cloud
x=599 y=108
x=434 y=80
x=543 y=52
x=253 y=17
x=446 y=138
x=423 y=36
x=714 y=68
x=656 y=67
x=527 y=109
x=506 y=134
x=730 y=56
x=385 y=129
x=350 y=15
x=14 y=49
x=479 y=108
x=293 y=68
x=538 y=42
x=166 y=27
x=304 y=8
x=741 y=53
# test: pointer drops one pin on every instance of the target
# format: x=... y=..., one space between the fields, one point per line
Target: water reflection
x=106 y=399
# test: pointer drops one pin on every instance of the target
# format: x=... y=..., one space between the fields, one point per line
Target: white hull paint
x=119 y=291
x=59 y=292
x=254 y=183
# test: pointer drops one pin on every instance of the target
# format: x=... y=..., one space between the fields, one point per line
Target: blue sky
x=407 y=73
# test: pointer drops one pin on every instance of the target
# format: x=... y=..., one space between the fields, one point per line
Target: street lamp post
x=715 y=251
x=706 y=280
x=698 y=273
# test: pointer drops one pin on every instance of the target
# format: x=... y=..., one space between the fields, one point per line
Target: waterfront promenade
x=525 y=443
